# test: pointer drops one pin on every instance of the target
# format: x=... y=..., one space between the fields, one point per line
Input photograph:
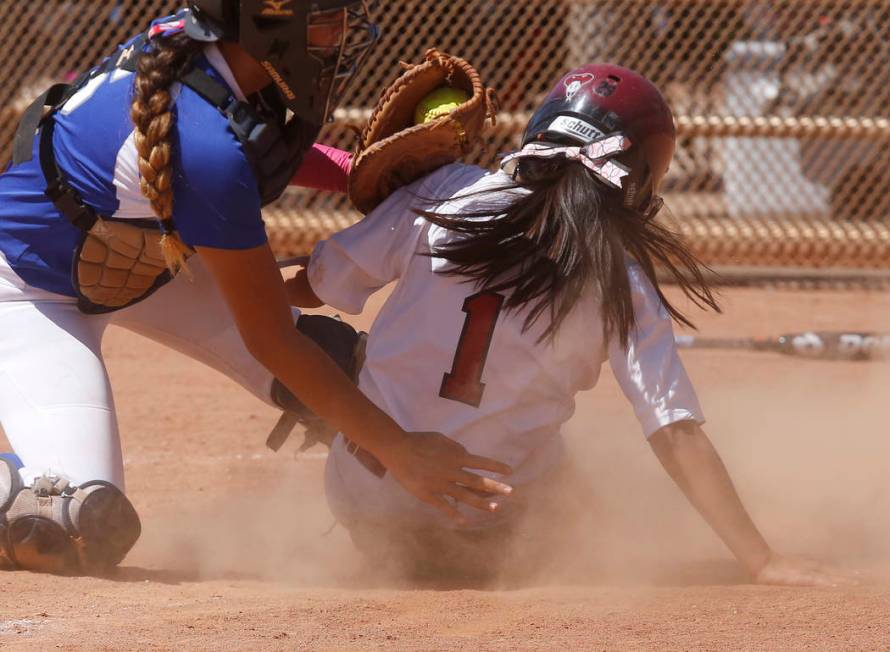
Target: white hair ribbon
x=595 y=156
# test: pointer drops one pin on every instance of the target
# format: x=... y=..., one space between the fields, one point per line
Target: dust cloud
x=281 y=531
x=805 y=442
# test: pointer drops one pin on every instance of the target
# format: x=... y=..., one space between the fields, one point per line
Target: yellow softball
x=438 y=103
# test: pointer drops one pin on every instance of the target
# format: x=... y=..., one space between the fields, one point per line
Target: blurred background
x=781 y=106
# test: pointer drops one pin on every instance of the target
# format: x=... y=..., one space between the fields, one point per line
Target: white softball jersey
x=444 y=356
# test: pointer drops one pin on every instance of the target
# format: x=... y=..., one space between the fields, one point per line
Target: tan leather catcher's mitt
x=393 y=152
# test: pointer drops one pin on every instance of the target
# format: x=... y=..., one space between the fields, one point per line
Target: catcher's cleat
x=53 y=526
x=10 y=486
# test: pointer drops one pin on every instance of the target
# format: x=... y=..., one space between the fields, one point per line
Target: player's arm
x=654 y=380
x=347 y=268
x=324 y=168
x=429 y=465
x=688 y=456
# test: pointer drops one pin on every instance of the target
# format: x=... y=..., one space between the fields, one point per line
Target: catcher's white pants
x=56 y=404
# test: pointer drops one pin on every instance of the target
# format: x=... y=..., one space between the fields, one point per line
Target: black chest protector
x=274 y=148
x=119 y=262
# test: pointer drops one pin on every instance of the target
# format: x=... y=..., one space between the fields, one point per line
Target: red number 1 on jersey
x=464 y=382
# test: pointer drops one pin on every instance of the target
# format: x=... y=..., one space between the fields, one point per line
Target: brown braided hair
x=152 y=115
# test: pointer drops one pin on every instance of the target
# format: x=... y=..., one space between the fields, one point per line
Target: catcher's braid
x=152 y=115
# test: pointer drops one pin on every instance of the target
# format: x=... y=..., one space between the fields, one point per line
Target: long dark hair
x=564 y=231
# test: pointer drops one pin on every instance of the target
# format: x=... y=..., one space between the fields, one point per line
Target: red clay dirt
x=235 y=552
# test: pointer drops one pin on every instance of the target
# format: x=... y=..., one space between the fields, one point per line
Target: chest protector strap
x=275 y=149
x=120 y=262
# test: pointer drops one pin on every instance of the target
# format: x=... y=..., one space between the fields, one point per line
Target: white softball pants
x=56 y=404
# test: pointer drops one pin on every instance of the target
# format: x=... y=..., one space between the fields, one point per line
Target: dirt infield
x=235 y=552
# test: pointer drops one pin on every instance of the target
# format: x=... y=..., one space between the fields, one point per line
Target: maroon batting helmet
x=600 y=100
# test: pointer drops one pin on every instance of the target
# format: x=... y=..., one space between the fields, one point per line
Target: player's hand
x=795 y=571
x=433 y=468
x=299 y=291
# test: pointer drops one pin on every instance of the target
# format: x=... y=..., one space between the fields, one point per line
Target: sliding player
x=512 y=289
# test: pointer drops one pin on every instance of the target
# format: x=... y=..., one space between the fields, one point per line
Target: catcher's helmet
x=311 y=78
x=600 y=100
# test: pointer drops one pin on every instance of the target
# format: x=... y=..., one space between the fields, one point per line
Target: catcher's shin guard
x=53 y=526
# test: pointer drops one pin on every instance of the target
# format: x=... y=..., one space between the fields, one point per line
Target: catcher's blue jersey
x=216 y=199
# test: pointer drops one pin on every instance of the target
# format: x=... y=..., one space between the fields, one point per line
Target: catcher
x=134 y=199
x=512 y=288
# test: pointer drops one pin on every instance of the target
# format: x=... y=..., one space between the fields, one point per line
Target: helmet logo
x=277 y=8
x=575 y=127
x=607 y=86
x=279 y=81
x=573 y=83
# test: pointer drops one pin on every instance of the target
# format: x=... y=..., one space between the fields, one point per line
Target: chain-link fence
x=781 y=105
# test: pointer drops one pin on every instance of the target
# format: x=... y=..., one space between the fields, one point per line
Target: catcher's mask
x=616 y=123
x=311 y=50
